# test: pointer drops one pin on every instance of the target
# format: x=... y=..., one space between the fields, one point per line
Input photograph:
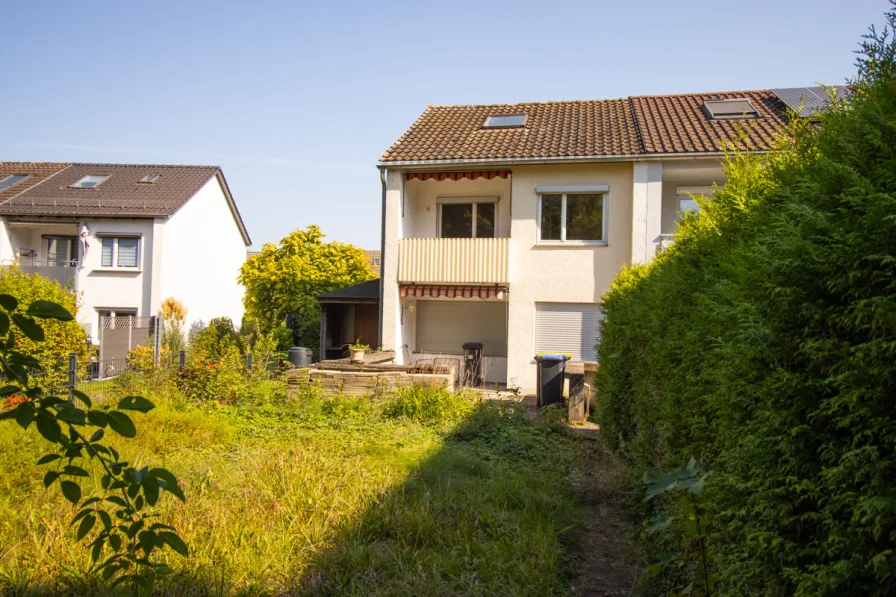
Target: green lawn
x=326 y=497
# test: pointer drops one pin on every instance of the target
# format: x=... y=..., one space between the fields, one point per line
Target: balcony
x=454 y=260
x=61 y=272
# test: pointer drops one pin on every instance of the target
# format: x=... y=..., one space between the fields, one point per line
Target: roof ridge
x=144 y=165
x=695 y=93
x=533 y=103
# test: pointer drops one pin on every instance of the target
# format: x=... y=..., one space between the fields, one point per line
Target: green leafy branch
x=689 y=482
x=123 y=535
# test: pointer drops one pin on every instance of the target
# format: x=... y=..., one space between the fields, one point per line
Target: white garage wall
x=201 y=255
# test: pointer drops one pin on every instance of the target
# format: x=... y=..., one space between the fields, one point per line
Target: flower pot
x=358 y=354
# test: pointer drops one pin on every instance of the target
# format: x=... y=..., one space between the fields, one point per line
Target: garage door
x=444 y=326
x=572 y=328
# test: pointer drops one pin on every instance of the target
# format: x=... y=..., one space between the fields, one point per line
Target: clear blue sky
x=297 y=101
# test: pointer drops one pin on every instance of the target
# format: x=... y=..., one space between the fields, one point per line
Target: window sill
x=118 y=270
x=571 y=243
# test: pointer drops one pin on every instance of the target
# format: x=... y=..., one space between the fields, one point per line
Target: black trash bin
x=550 y=377
x=299 y=356
x=473 y=364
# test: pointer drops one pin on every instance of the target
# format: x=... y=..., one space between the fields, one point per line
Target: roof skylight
x=90 y=181
x=149 y=178
x=505 y=121
x=7 y=182
x=730 y=109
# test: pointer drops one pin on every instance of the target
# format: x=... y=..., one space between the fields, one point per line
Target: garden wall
x=361 y=382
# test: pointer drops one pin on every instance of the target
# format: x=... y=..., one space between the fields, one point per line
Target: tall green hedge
x=764 y=343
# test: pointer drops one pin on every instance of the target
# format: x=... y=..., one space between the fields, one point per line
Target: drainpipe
x=382 y=255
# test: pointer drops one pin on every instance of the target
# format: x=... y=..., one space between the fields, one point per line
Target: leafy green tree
x=62 y=337
x=118 y=521
x=285 y=279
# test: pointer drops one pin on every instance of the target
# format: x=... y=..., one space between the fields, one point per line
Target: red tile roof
x=36 y=173
x=677 y=123
x=601 y=127
x=642 y=125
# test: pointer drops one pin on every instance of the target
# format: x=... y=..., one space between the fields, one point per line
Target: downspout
x=379 y=339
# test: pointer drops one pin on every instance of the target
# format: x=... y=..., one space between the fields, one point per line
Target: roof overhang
x=504 y=162
x=233 y=209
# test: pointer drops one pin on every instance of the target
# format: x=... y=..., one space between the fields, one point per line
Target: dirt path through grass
x=609 y=562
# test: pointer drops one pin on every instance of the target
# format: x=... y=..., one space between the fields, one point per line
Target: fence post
x=249 y=362
x=183 y=358
x=72 y=377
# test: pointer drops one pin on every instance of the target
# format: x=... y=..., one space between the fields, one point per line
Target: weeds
x=421 y=493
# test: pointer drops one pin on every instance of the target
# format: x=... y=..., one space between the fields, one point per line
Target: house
x=348 y=316
x=505 y=224
x=373 y=257
x=126 y=236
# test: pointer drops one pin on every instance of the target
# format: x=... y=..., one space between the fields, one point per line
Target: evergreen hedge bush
x=764 y=344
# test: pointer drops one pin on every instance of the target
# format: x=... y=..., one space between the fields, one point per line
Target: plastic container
x=551 y=367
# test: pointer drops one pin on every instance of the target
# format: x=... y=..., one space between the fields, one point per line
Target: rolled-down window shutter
x=444 y=326
x=127 y=252
x=108 y=244
x=570 y=328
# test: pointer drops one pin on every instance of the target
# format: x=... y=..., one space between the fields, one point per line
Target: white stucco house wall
x=126 y=236
x=506 y=224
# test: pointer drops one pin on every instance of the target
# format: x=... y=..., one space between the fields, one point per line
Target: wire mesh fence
x=102 y=379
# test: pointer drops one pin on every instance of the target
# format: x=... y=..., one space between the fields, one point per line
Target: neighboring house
x=374 y=258
x=126 y=236
x=505 y=224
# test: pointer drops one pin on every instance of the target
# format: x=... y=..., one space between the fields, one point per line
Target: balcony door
x=468 y=217
x=61 y=250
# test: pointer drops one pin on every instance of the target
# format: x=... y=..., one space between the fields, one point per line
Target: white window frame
x=440 y=201
x=115 y=238
x=688 y=193
x=79 y=184
x=7 y=185
x=563 y=191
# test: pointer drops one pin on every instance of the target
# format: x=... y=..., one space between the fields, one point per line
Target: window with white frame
x=468 y=218
x=61 y=250
x=91 y=181
x=686 y=196
x=120 y=251
x=572 y=217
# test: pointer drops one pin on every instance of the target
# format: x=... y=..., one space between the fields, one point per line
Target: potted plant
x=358 y=350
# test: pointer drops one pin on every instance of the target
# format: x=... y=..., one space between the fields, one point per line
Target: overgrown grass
x=420 y=494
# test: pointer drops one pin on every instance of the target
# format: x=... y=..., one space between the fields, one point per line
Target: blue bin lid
x=551 y=357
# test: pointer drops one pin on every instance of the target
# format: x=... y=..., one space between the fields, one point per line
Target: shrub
x=429 y=404
x=61 y=337
x=763 y=343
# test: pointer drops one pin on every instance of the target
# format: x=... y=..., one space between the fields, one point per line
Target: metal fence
x=102 y=379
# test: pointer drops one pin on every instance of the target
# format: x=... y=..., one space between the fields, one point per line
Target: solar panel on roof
x=807 y=101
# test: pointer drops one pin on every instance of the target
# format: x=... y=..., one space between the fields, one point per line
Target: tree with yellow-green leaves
x=285 y=279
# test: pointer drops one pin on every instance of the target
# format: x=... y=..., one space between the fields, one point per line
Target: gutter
x=634 y=157
x=382 y=169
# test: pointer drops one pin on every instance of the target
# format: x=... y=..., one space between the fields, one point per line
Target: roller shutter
x=444 y=326
x=572 y=328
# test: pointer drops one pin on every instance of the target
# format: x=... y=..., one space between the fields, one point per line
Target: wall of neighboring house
x=560 y=274
x=110 y=288
x=201 y=255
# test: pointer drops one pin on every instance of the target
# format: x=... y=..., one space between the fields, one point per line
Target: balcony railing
x=454 y=260
x=61 y=271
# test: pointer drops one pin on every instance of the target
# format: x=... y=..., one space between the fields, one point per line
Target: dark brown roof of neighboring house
x=642 y=125
x=121 y=195
x=36 y=173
